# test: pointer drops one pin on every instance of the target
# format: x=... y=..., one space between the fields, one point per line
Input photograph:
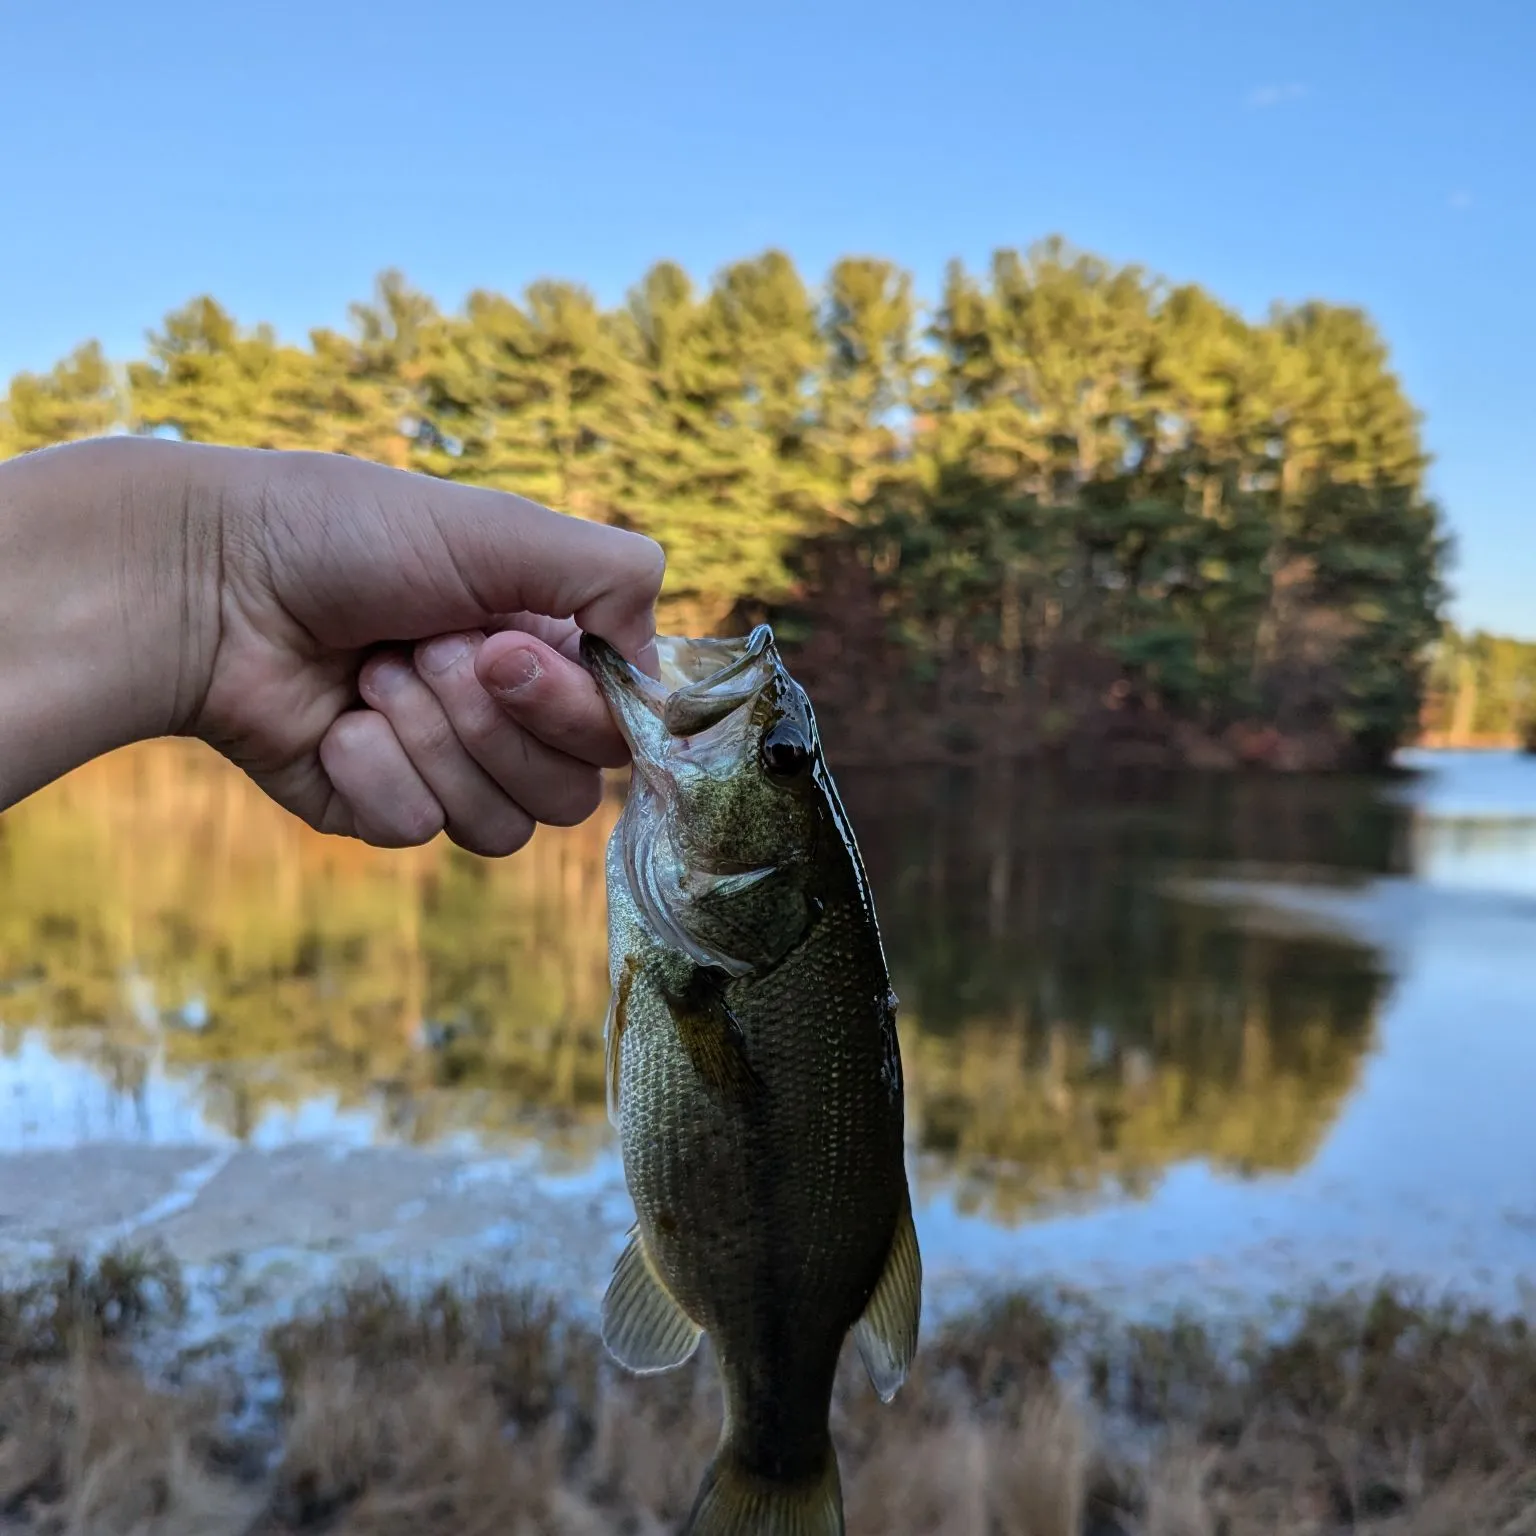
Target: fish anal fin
x=734 y=1502
x=712 y=1036
x=886 y=1335
x=644 y=1328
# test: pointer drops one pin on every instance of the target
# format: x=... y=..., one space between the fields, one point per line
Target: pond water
x=1175 y=1039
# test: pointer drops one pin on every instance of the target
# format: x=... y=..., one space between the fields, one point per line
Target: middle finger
x=553 y=786
x=480 y=815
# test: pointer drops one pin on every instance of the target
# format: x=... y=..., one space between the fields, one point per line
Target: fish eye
x=785 y=751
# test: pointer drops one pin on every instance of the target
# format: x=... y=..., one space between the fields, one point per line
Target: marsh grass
x=474 y=1409
x=72 y=1305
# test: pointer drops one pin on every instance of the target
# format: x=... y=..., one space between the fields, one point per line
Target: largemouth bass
x=754 y=1076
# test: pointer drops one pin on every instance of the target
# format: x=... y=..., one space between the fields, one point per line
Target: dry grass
x=479 y=1411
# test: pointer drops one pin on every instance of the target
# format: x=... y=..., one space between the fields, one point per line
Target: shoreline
x=471 y=1406
x=1114 y=743
x=1445 y=741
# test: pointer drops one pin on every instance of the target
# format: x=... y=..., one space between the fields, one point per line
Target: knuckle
x=349 y=733
x=389 y=807
x=347 y=749
x=481 y=726
x=433 y=736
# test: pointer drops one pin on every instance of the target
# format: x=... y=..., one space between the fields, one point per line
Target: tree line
x=1064 y=497
x=1481 y=690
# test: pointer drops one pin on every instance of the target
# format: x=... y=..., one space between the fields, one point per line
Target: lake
x=1203 y=1039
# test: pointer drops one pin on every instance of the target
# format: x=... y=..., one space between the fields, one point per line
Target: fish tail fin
x=734 y=1501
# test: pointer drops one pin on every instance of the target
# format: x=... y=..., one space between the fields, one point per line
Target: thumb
x=514 y=555
x=360 y=553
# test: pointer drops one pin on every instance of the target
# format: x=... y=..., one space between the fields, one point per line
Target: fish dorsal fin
x=644 y=1329
x=886 y=1334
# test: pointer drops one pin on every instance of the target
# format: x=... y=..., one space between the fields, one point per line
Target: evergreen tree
x=77 y=398
x=536 y=399
x=720 y=465
x=1077 y=487
x=868 y=386
x=208 y=381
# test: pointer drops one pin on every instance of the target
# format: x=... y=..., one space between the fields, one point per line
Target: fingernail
x=648 y=659
x=513 y=672
x=387 y=676
x=436 y=656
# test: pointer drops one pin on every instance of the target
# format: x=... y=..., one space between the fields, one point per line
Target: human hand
x=387 y=655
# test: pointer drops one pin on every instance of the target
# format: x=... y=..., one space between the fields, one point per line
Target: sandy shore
x=258 y=1232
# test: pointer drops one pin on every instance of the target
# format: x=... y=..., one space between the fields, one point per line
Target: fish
x=754 y=1076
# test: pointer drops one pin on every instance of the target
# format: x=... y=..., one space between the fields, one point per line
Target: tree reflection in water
x=1066 y=1025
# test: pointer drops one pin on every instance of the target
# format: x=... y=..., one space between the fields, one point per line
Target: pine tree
x=868 y=387
x=1077 y=484
x=79 y=397
x=536 y=399
x=208 y=381
x=720 y=465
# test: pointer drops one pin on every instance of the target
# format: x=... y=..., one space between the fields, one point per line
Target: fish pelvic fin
x=886 y=1335
x=733 y=1501
x=644 y=1328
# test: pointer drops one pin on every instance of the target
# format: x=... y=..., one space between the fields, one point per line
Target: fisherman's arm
x=96 y=561
x=387 y=655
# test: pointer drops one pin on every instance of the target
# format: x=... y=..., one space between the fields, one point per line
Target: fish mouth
x=701 y=683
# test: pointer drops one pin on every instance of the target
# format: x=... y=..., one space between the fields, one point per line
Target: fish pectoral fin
x=886 y=1334
x=644 y=1328
x=612 y=1056
x=613 y=1036
x=712 y=1035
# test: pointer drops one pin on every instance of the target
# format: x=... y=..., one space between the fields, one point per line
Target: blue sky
x=278 y=156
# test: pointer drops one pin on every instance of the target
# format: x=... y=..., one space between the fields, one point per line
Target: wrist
x=109 y=554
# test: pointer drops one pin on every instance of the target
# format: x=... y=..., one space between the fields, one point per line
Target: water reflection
x=1076 y=1027
x=181 y=961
